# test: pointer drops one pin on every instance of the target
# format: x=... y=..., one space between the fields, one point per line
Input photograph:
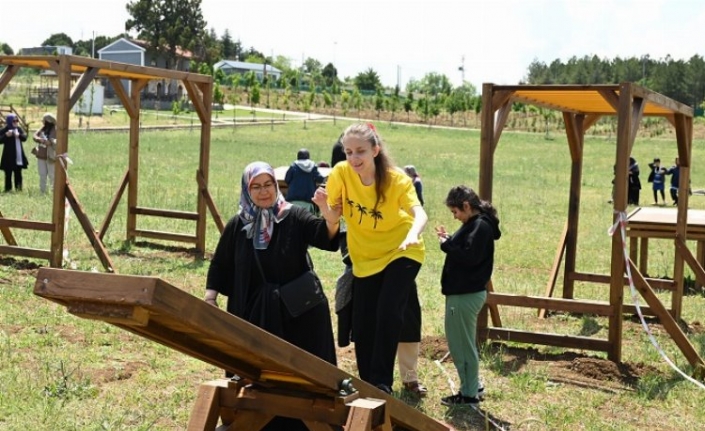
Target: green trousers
x=461 y=333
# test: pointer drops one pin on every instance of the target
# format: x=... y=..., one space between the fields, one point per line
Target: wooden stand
x=241 y=406
x=281 y=379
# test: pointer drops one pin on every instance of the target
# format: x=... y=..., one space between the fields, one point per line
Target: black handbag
x=301 y=294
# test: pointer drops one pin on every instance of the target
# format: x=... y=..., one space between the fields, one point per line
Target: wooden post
x=576 y=135
x=133 y=162
x=203 y=163
x=62 y=147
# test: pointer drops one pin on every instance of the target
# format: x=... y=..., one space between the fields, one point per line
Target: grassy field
x=61 y=372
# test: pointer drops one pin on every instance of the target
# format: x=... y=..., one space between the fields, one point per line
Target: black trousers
x=18 y=178
x=379 y=304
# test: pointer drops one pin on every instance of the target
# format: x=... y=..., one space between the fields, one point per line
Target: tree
x=58 y=39
x=368 y=80
x=330 y=75
x=312 y=66
x=167 y=25
x=230 y=50
x=5 y=49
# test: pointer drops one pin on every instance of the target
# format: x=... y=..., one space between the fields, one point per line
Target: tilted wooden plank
x=185 y=323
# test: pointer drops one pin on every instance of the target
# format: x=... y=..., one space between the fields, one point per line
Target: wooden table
x=654 y=222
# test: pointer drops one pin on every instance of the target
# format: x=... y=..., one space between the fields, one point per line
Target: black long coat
x=234 y=273
x=9 y=151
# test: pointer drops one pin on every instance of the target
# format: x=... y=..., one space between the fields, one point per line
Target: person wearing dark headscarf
x=279 y=233
x=13 y=158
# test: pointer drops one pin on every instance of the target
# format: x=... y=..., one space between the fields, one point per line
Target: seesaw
x=275 y=377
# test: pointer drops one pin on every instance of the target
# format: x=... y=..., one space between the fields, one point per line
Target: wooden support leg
x=367 y=415
x=204 y=415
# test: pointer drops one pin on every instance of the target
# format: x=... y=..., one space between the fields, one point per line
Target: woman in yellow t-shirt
x=384 y=220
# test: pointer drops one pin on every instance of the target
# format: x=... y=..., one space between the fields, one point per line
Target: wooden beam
x=638 y=106
x=7 y=233
x=567 y=341
x=600 y=308
x=203 y=165
x=657 y=283
x=575 y=135
x=95 y=241
x=196 y=98
x=694 y=264
x=668 y=322
x=501 y=121
x=14 y=250
x=611 y=97
x=81 y=85
x=25 y=224
x=590 y=121
x=130 y=108
x=501 y=98
x=7 y=75
x=63 y=112
x=217 y=218
x=553 y=277
x=155 y=212
x=167 y=236
x=113 y=205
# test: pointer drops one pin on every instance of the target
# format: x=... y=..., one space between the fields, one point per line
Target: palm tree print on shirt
x=377 y=215
x=362 y=210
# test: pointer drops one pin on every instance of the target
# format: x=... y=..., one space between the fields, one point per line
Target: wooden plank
x=203 y=187
x=14 y=250
x=130 y=108
x=113 y=206
x=81 y=85
x=574 y=131
x=567 y=341
x=6 y=232
x=7 y=75
x=63 y=113
x=93 y=238
x=204 y=414
x=553 y=277
x=694 y=264
x=167 y=236
x=185 y=323
x=569 y=305
x=657 y=283
x=500 y=122
x=667 y=320
x=181 y=215
x=203 y=165
x=25 y=224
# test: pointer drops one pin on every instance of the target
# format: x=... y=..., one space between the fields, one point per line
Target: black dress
x=234 y=273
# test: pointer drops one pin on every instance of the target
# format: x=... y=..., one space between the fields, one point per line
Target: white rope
x=622 y=224
x=64 y=161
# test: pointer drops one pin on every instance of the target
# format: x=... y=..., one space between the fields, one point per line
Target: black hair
x=303 y=154
x=458 y=195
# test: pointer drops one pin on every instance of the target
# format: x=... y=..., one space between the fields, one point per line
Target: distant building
x=138 y=52
x=231 y=67
x=47 y=50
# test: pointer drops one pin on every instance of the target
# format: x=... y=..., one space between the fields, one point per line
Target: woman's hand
x=411 y=239
x=331 y=214
x=442 y=234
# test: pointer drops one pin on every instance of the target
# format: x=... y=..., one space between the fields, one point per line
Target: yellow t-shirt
x=374 y=235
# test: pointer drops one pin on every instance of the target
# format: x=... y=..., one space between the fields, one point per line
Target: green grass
x=61 y=372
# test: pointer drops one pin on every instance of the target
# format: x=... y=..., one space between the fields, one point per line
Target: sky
x=493 y=40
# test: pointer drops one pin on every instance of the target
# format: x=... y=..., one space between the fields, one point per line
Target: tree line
x=166 y=25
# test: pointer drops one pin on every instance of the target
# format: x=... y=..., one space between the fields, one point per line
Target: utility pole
x=93 y=46
x=462 y=70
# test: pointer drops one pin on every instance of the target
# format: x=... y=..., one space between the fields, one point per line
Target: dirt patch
x=113 y=373
x=20 y=265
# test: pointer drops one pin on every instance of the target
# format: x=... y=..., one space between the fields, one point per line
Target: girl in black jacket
x=466 y=272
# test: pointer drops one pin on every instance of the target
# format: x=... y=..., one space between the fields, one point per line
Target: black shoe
x=459 y=400
x=481 y=393
x=384 y=388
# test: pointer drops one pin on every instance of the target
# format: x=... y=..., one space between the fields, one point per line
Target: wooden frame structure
x=200 y=92
x=276 y=378
x=582 y=106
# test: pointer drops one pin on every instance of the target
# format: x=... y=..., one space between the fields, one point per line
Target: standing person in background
x=675 y=173
x=303 y=178
x=46 y=139
x=416 y=179
x=263 y=247
x=634 y=184
x=13 y=158
x=384 y=221
x=466 y=271
x=657 y=178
